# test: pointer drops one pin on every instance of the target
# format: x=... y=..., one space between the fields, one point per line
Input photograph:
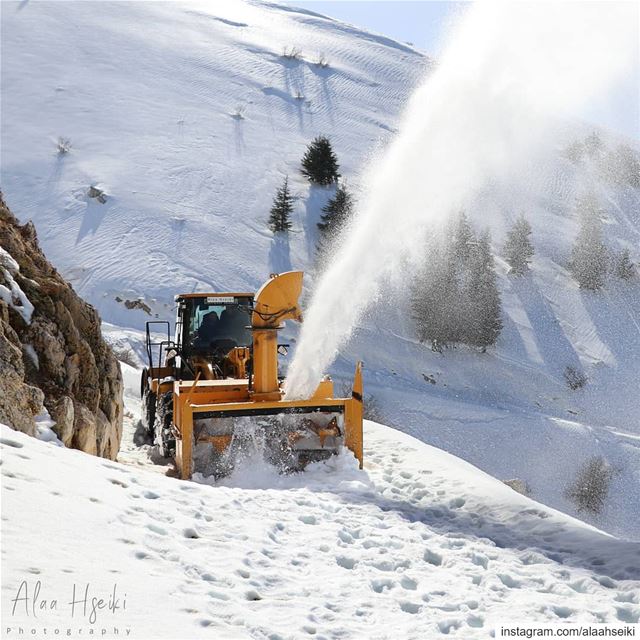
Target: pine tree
x=518 y=249
x=589 y=255
x=455 y=297
x=463 y=238
x=593 y=144
x=336 y=213
x=622 y=166
x=281 y=209
x=624 y=268
x=320 y=164
x=435 y=297
x=483 y=321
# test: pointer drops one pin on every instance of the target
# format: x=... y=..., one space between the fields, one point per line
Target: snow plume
x=510 y=72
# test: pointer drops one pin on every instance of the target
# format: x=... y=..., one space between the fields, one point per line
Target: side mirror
x=282 y=349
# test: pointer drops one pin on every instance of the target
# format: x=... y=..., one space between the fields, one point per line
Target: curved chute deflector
x=277 y=300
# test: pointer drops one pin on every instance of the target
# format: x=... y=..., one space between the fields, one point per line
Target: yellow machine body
x=250 y=387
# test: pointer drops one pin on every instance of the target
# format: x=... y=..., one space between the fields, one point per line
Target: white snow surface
x=416 y=545
x=152 y=117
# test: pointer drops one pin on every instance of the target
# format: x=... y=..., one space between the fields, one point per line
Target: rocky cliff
x=52 y=353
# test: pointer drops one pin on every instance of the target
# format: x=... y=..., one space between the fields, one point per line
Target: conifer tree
x=434 y=297
x=455 y=297
x=281 y=209
x=463 y=238
x=589 y=255
x=319 y=163
x=623 y=166
x=624 y=268
x=593 y=144
x=336 y=213
x=482 y=322
x=518 y=249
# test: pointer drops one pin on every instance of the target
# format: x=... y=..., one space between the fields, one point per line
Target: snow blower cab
x=213 y=392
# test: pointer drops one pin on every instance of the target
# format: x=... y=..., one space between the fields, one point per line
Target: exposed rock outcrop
x=52 y=353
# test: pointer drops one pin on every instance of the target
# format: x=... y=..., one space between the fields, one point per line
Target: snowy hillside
x=190 y=124
x=419 y=543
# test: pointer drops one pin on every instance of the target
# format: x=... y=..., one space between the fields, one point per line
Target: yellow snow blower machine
x=214 y=390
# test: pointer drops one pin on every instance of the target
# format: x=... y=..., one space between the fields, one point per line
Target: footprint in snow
x=345 y=562
x=445 y=626
x=410 y=607
x=408 y=583
x=630 y=615
x=157 y=529
x=509 y=581
x=114 y=467
x=475 y=621
x=11 y=443
x=562 y=612
x=606 y=582
x=480 y=560
x=627 y=596
x=381 y=585
x=345 y=537
x=432 y=557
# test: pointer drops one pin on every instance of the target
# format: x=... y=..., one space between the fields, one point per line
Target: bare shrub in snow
x=322 y=61
x=574 y=378
x=371 y=409
x=292 y=53
x=521 y=486
x=590 y=488
x=63 y=146
x=126 y=355
x=98 y=194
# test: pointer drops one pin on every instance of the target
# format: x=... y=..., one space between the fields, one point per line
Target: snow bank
x=418 y=544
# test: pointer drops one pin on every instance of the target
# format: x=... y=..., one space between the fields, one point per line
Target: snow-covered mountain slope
x=416 y=545
x=189 y=125
x=509 y=410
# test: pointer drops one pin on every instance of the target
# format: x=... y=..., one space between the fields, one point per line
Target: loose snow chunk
x=44 y=431
x=13 y=295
